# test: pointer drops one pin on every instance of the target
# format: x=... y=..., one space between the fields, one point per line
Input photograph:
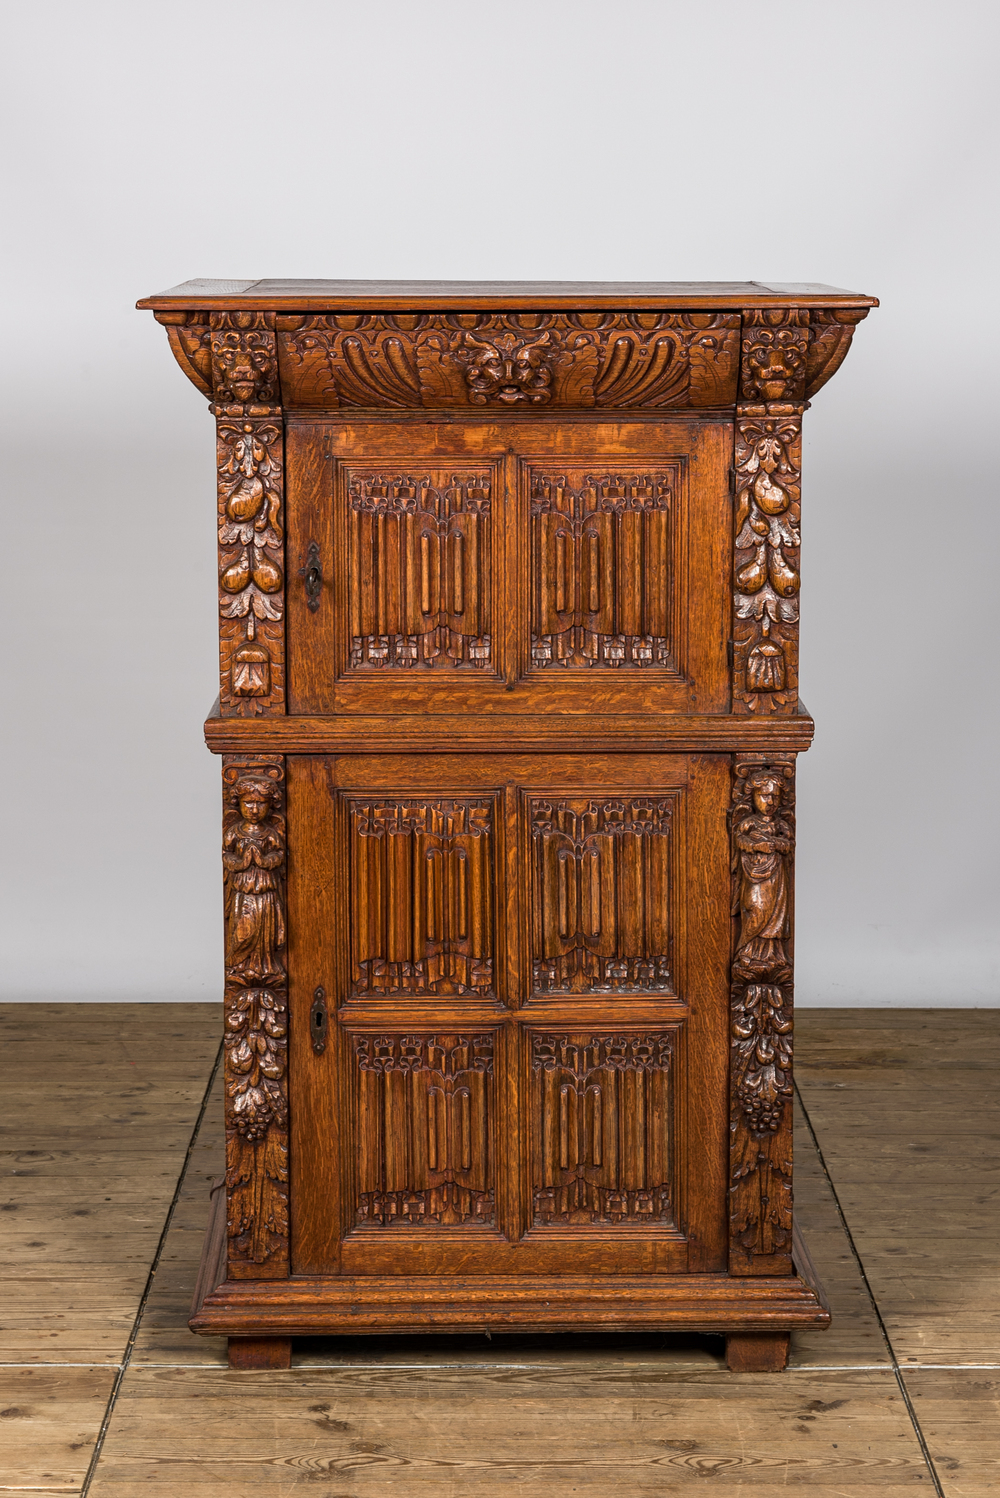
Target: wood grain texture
x=491 y=624
x=760 y=1193
x=101 y=1100
x=520 y=734
x=250 y=461
x=254 y=848
x=50 y=1421
x=540 y=360
x=442 y=295
x=906 y=1108
x=574 y=970
x=260 y=1354
x=593 y=1431
x=959 y=1414
x=509 y=565
x=515 y=1303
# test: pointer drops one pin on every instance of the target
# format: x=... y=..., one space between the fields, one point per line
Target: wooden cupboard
x=508 y=598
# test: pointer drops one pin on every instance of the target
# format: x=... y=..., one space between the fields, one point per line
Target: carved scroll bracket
x=763 y=843
x=830 y=334
x=256 y=1016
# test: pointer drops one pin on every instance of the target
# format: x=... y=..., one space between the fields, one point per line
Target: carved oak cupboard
x=508 y=607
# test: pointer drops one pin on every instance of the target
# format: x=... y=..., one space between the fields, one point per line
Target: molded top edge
x=311 y=296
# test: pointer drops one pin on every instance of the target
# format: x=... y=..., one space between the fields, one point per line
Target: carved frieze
x=601 y=894
x=425 y=1123
x=600 y=568
x=420 y=569
x=256 y=1016
x=422 y=896
x=763 y=844
x=601 y=1152
x=509 y=360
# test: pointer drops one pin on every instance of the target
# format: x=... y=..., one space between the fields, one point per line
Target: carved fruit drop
x=752 y=577
x=784 y=579
x=772 y=499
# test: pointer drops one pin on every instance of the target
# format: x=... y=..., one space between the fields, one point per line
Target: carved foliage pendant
x=256 y=1016
x=250 y=458
x=763 y=843
x=768 y=465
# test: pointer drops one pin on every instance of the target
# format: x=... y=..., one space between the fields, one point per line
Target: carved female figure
x=762 y=837
x=253 y=849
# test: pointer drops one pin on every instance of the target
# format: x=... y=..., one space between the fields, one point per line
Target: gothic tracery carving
x=602 y=1135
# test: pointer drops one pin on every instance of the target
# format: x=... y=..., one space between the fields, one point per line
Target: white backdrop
x=144 y=144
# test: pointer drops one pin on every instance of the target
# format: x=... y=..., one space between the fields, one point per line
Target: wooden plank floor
x=112 y=1131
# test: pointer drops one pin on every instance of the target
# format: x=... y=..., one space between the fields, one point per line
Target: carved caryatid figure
x=762 y=837
x=253 y=850
x=763 y=832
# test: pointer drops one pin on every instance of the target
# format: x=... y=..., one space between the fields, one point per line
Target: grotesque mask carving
x=508 y=370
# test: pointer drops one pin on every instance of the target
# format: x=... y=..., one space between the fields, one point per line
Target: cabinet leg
x=260 y=1352
x=755 y=1352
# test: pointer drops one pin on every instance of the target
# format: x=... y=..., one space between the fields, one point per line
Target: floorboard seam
x=897 y=1370
x=123 y=1366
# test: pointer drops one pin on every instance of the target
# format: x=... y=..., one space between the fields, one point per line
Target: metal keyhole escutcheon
x=318 y=1021
x=312 y=574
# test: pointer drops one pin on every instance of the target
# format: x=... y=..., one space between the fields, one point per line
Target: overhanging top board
x=318 y=296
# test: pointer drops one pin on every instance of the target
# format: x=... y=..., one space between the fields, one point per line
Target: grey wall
x=849 y=143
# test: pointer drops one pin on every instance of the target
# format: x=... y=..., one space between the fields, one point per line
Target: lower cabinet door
x=524 y=962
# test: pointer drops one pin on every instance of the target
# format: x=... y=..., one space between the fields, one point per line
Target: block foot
x=754 y=1352
x=260 y=1352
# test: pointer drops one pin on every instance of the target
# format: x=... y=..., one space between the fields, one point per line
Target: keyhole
x=318 y=1021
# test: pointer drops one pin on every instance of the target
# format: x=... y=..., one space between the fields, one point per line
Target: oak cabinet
x=508 y=719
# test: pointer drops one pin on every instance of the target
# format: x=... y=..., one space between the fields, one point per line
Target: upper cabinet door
x=521 y=566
